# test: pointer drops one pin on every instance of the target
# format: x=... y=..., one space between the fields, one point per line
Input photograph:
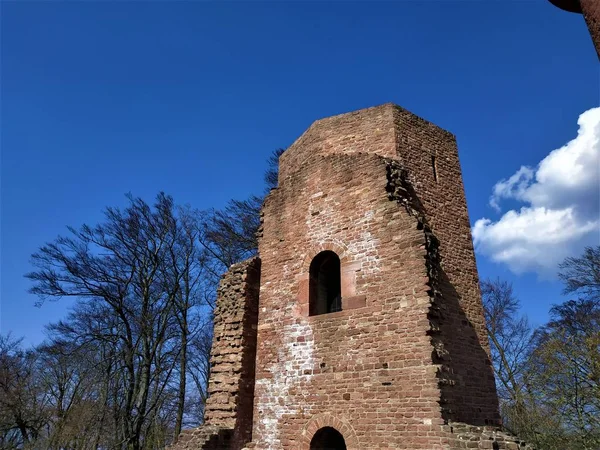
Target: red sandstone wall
x=370 y=368
x=231 y=383
x=228 y=411
x=591 y=13
x=473 y=397
x=369 y=130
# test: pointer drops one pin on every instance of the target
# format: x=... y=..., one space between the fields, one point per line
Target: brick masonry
x=228 y=411
x=591 y=13
x=405 y=364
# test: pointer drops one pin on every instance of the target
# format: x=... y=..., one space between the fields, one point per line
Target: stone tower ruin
x=359 y=324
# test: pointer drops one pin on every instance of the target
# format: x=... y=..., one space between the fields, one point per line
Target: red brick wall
x=346 y=364
x=444 y=206
x=370 y=368
x=231 y=383
x=228 y=412
x=358 y=131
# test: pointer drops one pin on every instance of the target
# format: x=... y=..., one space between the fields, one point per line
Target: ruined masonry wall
x=369 y=130
x=591 y=13
x=430 y=157
x=405 y=364
x=231 y=385
x=228 y=411
x=369 y=367
x=441 y=200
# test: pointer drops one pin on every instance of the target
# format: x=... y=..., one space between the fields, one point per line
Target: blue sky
x=103 y=98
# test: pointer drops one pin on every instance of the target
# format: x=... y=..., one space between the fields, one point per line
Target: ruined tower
x=360 y=323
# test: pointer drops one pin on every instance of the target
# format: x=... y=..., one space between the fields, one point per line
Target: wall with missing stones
x=228 y=411
x=405 y=364
x=368 y=366
x=591 y=13
x=409 y=353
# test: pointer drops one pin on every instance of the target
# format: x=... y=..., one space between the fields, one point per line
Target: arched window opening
x=325 y=294
x=327 y=438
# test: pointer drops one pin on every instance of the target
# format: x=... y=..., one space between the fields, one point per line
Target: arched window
x=325 y=294
x=327 y=438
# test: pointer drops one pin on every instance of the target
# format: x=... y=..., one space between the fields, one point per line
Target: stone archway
x=313 y=250
x=337 y=424
x=328 y=438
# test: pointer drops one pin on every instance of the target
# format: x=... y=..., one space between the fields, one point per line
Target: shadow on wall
x=245 y=403
x=465 y=376
x=221 y=440
x=468 y=391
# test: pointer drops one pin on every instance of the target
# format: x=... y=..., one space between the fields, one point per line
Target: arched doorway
x=327 y=438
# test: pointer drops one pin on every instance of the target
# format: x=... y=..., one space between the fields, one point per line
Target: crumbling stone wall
x=405 y=364
x=228 y=410
x=400 y=190
x=441 y=199
x=591 y=13
x=410 y=356
x=231 y=385
x=459 y=435
x=370 y=366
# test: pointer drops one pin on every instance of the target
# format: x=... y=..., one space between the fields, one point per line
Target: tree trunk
x=182 y=376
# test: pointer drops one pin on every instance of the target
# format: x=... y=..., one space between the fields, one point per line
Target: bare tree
x=565 y=371
x=565 y=361
x=272 y=172
x=581 y=275
x=187 y=269
x=69 y=382
x=121 y=273
x=129 y=365
x=549 y=380
x=510 y=343
x=229 y=235
x=23 y=404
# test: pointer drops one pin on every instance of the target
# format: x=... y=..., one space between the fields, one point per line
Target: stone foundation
x=463 y=436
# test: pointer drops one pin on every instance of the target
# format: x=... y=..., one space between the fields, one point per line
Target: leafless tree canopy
x=581 y=275
x=548 y=379
x=128 y=367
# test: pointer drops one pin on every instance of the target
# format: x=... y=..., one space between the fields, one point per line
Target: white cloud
x=561 y=206
x=513 y=187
